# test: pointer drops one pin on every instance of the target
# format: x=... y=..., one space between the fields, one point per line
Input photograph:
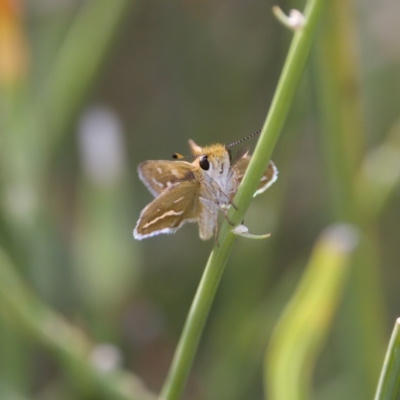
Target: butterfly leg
x=216 y=234
x=228 y=198
x=225 y=214
x=211 y=205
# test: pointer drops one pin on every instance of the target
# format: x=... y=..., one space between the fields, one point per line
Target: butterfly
x=196 y=191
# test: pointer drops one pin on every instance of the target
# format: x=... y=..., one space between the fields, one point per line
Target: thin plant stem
x=389 y=382
x=288 y=83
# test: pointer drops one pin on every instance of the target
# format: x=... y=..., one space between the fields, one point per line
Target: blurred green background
x=88 y=90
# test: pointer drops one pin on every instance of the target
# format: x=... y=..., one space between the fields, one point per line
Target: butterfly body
x=193 y=192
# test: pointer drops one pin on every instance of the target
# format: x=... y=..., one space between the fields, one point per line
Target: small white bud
x=101 y=145
x=242 y=230
x=106 y=357
x=295 y=21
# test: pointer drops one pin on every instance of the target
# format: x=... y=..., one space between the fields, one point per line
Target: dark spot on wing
x=189 y=176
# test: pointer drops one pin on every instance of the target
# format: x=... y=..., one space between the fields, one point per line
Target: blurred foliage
x=88 y=89
x=300 y=333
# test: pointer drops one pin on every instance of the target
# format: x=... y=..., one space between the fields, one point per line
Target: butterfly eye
x=204 y=164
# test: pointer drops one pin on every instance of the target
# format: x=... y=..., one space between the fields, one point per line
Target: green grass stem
x=389 y=382
x=288 y=83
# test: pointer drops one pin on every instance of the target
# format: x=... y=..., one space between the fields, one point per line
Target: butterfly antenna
x=242 y=140
x=178 y=156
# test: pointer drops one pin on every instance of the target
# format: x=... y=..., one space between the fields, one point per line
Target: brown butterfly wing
x=269 y=177
x=159 y=175
x=176 y=205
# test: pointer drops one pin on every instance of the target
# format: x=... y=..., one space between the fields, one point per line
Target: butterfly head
x=214 y=160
